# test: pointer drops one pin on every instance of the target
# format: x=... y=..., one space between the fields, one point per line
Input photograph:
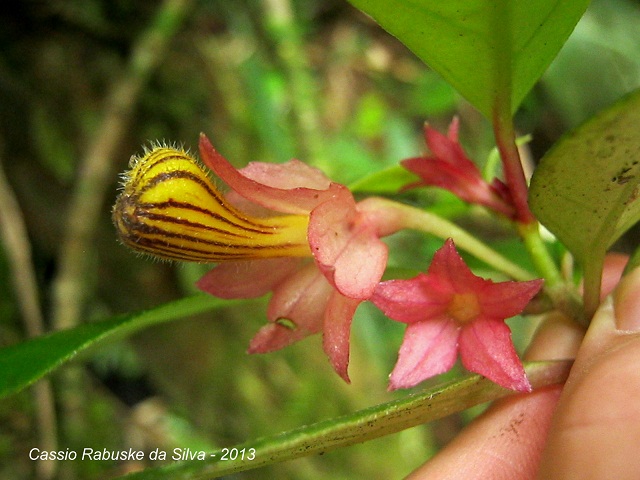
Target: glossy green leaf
x=22 y=364
x=490 y=51
x=585 y=189
x=358 y=427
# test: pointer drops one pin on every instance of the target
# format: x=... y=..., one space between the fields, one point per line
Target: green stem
x=544 y=263
x=405 y=216
x=562 y=294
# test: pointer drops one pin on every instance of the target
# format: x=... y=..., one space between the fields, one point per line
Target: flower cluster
x=289 y=230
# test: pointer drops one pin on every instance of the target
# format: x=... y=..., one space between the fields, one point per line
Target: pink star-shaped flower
x=450 y=310
x=308 y=297
x=449 y=167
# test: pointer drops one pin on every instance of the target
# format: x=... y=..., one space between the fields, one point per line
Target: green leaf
x=492 y=52
x=585 y=188
x=22 y=364
x=373 y=422
x=384 y=182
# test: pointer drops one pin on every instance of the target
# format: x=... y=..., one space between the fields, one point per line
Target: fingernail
x=626 y=300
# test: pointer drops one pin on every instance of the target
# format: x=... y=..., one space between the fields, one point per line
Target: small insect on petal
x=170 y=208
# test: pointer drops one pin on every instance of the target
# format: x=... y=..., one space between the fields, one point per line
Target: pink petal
x=449 y=167
x=247 y=206
x=288 y=175
x=301 y=301
x=468 y=184
x=247 y=278
x=429 y=348
x=337 y=331
x=347 y=249
x=299 y=200
x=411 y=300
x=274 y=336
x=506 y=299
x=450 y=269
x=486 y=348
x=301 y=298
x=448 y=149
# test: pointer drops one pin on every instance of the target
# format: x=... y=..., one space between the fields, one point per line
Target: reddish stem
x=512 y=165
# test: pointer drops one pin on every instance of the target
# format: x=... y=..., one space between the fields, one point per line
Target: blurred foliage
x=265 y=80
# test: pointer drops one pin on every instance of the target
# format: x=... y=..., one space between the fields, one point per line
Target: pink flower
x=449 y=167
x=450 y=310
x=308 y=296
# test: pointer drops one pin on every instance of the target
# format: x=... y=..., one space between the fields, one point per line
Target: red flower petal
x=486 y=348
x=274 y=336
x=301 y=298
x=247 y=278
x=448 y=148
x=337 y=330
x=506 y=299
x=450 y=269
x=298 y=200
x=449 y=167
x=346 y=248
x=300 y=301
x=428 y=349
x=412 y=300
x=287 y=176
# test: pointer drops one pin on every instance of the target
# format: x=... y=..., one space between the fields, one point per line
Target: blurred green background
x=84 y=85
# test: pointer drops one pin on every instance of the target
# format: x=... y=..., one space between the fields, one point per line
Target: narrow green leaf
x=585 y=189
x=384 y=182
x=489 y=51
x=22 y=364
x=361 y=426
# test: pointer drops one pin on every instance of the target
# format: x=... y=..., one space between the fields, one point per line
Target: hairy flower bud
x=170 y=208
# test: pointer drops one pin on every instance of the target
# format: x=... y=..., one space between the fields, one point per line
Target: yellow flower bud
x=170 y=208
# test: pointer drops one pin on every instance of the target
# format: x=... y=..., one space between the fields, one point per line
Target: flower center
x=171 y=209
x=464 y=307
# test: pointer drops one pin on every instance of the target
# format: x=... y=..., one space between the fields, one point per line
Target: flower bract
x=449 y=167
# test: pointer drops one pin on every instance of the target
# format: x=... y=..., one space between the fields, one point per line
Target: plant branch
x=18 y=249
x=368 y=424
x=96 y=168
x=512 y=164
x=399 y=216
x=95 y=173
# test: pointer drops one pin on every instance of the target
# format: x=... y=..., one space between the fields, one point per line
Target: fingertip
x=504 y=443
x=558 y=337
x=595 y=429
x=626 y=301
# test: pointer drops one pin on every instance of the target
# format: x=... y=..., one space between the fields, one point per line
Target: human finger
x=595 y=432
